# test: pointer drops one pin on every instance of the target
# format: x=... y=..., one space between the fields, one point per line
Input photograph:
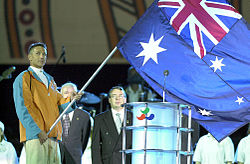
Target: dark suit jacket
x=106 y=142
x=74 y=145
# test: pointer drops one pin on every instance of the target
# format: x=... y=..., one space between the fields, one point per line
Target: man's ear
x=29 y=57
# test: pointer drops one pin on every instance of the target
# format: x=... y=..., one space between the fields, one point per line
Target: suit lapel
x=128 y=123
x=109 y=121
x=34 y=74
x=73 y=121
x=110 y=124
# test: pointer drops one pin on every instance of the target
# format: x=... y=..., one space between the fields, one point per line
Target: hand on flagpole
x=76 y=96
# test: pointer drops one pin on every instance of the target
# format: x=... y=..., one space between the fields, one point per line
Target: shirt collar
x=37 y=70
x=115 y=111
x=121 y=113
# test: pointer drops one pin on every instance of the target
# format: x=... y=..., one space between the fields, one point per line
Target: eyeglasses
x=117 y=96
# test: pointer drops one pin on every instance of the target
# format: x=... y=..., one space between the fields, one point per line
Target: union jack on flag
x=201 y=23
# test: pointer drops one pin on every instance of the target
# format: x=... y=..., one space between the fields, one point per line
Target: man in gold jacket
x=38 y=104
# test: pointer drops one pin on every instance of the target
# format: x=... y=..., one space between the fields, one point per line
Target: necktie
x=118 y=122
x=66 y=125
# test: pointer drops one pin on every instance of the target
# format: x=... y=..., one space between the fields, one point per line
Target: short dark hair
x=119 y=88
x=37 y=44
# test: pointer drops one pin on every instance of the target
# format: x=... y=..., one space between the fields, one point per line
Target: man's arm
x=197 y=158
x=229 y=150
x=240 y=155
x=96 y=144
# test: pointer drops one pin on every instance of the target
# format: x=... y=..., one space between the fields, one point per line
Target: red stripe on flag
x=198 y=34
x=215 y=5
x=169 y=3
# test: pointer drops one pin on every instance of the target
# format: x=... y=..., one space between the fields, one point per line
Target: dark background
x=109 y=76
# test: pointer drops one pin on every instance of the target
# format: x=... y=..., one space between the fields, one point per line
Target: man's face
x=37 y=57
x=117 y=98
x=67 y=91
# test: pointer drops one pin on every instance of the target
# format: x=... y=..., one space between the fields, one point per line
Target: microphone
x=165 y=73
x=63 y=54
x=7 y=73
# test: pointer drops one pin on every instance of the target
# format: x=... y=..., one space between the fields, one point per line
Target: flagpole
x=84 y=87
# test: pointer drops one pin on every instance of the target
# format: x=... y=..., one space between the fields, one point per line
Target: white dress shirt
x=41 y=75
x=121 y=114
x=7 y=153
x=70 y=116
x=243 y=150
x=210 y=151
x=114 y=112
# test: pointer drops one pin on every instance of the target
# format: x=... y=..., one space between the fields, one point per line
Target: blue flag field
x=205 y=46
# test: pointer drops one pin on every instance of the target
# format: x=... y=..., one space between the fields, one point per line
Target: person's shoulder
x=7 y=144
x=246 y=139
x=227 y=139
x=204 y=138
x=20 y=76
x=102 y=115
x=244 y=142
x=83 y=112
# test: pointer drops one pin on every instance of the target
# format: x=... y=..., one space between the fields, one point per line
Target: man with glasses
x=107 y=134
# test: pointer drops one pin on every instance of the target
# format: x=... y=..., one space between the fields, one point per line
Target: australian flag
x=205 y=46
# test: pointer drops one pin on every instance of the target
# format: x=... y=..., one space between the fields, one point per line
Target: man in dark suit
x=107 y=134
x=76 y=130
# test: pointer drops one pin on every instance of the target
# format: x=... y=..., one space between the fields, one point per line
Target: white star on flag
x=151 y=49
x=217 y=64
x=239 y=100
x=205 y=113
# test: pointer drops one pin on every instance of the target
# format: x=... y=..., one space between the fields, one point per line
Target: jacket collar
x=35 y=75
